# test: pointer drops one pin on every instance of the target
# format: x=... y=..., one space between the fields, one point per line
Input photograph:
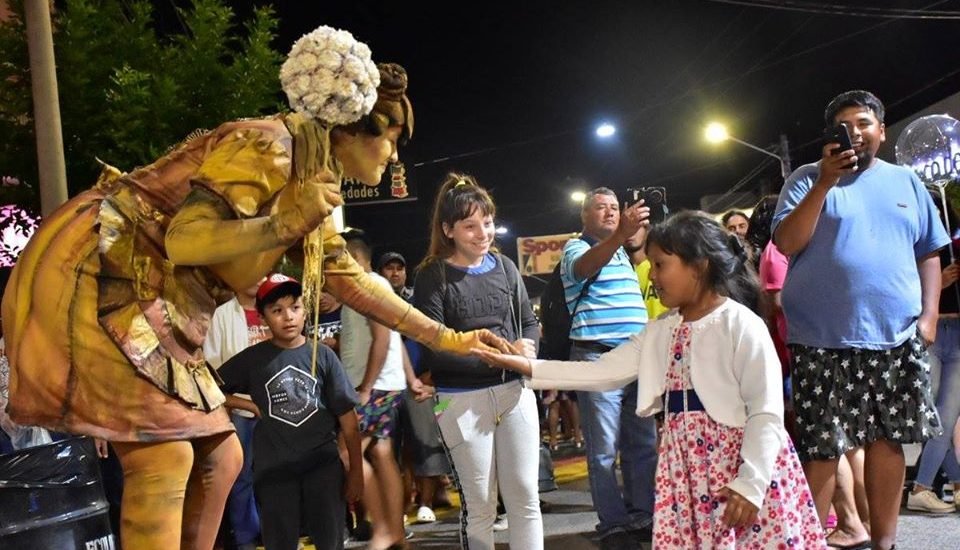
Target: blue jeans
x=241 y=504
x=610 y=423
x=945 y=379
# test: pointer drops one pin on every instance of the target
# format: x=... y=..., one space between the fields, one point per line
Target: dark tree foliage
x=127 y=93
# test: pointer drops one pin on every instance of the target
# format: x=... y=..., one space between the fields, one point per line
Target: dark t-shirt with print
x=299 y=412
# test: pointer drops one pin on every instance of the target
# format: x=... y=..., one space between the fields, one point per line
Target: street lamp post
x=716 y=133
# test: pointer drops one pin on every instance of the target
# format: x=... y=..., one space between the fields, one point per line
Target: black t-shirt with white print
x=299 y=412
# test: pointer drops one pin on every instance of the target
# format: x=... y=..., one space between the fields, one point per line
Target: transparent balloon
x=930 y=146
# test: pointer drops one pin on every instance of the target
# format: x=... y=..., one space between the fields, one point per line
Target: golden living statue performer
x=106 y=310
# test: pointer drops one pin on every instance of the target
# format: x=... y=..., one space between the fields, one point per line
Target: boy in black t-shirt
x=295 y=462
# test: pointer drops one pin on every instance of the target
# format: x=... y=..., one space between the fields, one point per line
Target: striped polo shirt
x=613 y=308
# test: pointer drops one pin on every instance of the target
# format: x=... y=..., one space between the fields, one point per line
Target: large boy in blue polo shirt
x=861 y=301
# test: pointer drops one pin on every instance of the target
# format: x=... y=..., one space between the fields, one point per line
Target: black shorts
x=847 y=398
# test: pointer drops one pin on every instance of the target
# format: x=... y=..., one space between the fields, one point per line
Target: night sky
x=513 y=91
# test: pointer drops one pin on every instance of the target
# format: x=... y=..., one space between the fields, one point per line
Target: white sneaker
x=501 y=523
x=426 y=515
x=927 y=501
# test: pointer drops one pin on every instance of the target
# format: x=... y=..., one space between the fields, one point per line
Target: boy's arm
x=351 y=437
x=241 y=403
x=929 y=269
x=600 y=254
x=420 y=390
x=794 y=232
x=379 y=346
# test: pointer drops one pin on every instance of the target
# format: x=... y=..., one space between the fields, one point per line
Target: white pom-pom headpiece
x=330 y=76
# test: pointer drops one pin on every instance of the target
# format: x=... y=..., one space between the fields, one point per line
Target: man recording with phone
x=606 y=307
x=861 y=299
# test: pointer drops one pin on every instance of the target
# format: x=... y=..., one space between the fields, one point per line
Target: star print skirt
x=846 y=398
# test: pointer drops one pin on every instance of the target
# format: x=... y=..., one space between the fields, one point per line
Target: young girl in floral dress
x=728 y=475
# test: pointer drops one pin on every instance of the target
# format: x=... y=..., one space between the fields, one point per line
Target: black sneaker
x=619 y=540
x=644 y=534
x=361 y=532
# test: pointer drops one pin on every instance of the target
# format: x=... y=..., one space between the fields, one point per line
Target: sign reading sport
x=539 y=255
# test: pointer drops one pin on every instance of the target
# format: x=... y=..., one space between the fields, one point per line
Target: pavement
x=569 y=519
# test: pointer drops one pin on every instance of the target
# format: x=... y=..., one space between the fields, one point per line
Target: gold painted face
x=365 y=157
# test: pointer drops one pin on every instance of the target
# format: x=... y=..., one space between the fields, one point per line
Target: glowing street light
x=606 y=130
x=716 y=132
x=578 y=196
x=501 y=230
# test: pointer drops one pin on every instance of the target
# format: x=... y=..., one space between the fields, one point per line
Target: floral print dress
x=698 y=457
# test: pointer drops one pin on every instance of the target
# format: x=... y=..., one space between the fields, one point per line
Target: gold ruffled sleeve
x=247 y=168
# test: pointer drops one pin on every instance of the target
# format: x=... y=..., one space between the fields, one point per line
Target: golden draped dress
x=104 y=333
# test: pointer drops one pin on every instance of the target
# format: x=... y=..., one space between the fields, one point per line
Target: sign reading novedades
x=393 y=187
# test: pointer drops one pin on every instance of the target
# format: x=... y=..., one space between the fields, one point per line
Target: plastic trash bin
x=51 y=498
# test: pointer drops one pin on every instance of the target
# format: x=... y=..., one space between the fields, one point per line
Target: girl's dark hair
x=458 y=198
x=758 y=234
x=696 y=237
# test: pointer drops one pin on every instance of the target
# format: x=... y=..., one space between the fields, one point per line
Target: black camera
x=654 y=198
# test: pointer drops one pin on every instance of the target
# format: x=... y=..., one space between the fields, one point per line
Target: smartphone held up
x=839 y=134
x=655 y=198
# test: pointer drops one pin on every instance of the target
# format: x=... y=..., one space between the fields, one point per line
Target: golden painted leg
x=154 y=482
x=217 y=461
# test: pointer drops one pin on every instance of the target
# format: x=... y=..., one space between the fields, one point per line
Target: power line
x=743 y=181
x=841 y=9
x=669 y=137
x=631 y=118
x=729 y=82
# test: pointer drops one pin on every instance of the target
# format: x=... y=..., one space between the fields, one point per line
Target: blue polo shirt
x=856 y=285
x=613 y=308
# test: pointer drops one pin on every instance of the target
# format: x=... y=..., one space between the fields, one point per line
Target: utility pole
x=46 y=106
x=784 y=156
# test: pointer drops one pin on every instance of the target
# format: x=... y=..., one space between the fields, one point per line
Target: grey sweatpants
x=493 y=438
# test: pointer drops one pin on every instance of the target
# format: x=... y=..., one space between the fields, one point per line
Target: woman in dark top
x=487 y=417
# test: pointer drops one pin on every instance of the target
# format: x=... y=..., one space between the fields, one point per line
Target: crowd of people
x=741 y=411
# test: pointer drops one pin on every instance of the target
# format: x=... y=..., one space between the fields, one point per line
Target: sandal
x=862 y=545
x=426 y=515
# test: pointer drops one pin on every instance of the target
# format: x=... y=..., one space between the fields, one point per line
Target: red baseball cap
x=273 y=282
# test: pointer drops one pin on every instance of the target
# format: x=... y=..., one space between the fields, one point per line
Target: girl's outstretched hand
x=740 y=512
x=516 y=363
